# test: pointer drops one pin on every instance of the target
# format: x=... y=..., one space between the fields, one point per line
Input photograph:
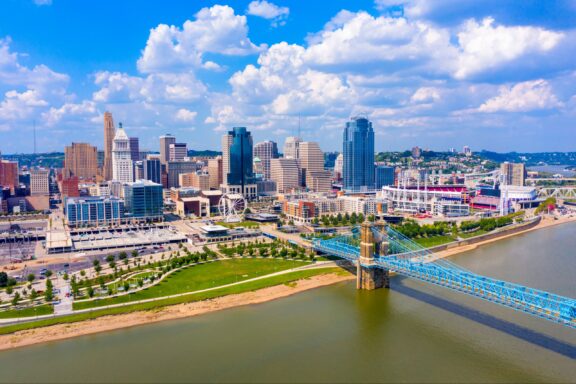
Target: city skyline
x=496 y=77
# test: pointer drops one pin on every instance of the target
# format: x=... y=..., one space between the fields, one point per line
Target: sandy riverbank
x=108 y=323
x=544 y=223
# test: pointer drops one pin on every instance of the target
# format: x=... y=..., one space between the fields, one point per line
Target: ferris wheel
x=231 y=207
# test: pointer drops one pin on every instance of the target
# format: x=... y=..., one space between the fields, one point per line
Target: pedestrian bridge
x=377 y=249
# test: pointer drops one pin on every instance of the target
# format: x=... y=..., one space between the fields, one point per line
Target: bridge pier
x=368 y=276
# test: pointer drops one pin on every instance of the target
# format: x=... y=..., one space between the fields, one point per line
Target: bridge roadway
x=410 y=259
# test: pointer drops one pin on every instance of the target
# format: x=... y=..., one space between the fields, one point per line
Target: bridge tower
x=367 y=275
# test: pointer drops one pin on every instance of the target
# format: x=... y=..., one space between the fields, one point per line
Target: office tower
x=338 y=165
x=286 y=173
x=100 y=160
x=266 y=151
x=152 y=170
x=237 y=161
x=94 y=211
x=215 y=172
x=311 y=161
x=416 y=152
x=358 y=150
x=467 y=151
x=513 y=173
x=197 y=179
x=143 y=200
x=109 y=133
x=9 y=175
x=134 y=148
x=165 y=142
x=176 y=168
x=39 y=181
x=121 y=158
x=138 y=170
x=291 y=147
x=81 y=160
x=177 y=151
x=384 y=176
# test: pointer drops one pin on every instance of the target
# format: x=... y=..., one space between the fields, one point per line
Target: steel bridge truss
x=412 y=260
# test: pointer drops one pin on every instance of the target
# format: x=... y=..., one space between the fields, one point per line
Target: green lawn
x=467 y=235
x=245 y=223
x=248 y=286
x=27 y=312
x=434 y=241
x=198 y=277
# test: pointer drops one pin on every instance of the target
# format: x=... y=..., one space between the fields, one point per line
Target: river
x=411 y=333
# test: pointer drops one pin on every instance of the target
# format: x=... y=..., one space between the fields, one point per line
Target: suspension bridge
x=377 y=249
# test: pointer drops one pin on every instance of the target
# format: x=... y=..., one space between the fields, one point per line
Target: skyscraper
x=134 y=148
x=109 y=133
x=358 y=150
x=165 y=142
x=143 y=200
x=215 y=172
x=513 y=173
x=81 y=160
x=237 y=162
x=338 y=166
x=177 y=151
x=285 y=172
x=311 y=161
x=40 y=181
x=122 y=170
x=291 y=147
x=266 y=151
x=151 y=169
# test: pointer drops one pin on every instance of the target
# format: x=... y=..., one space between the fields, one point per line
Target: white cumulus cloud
x=267 y=10
x=522 y=97
x=184 y=114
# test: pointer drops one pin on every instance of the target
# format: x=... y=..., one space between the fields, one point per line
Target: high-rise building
x=177 y=151
x=311 y=161
x=237 y=162
x=215 y=172
x=134 y=148
x=285 y=172
x=358 y=150
x=197 y=179
x=384 y=176
x=266 y=151
x=39 y=182
x=467 y=151
x=165 y=142
x=152 y=170
x=100 y=159
x=143 y=200
x=122 y=168
x=9 y=175
x=513 y=173
x=291 y=147
x=176 y=168
x=416 y=152
x=109 y=133
x=138 y=170
x=338 y=165
x=81 y=160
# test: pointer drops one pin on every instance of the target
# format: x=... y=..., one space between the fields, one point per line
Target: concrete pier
x=367 y=276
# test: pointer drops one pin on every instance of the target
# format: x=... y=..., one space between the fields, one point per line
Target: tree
x=30 y=277
x=9 y=289
x=65 y=276
x=110 y=258
x=49 y=294
x=16 y=299
x=90 y=292
x=48 y=274
x=126 y=286
x=33 y=294
x=82 y=273
x=3 y=279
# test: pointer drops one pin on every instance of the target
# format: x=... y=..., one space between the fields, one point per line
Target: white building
x=291 y=147
x=285 y=173
x=177 y=151
x=122 y=168
x=39 y=181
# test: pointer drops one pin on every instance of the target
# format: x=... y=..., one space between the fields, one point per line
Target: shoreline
x=545 y=222
x=114 y=322
x=179 y=311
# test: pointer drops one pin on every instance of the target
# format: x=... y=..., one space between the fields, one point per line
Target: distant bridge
x=564 y=193
x=395 y=252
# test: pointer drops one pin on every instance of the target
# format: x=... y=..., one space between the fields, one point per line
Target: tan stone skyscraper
x=109 y=133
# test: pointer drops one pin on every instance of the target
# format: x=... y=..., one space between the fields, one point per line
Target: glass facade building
x=152 y=170
x=240 y=170
x=88 y=211
x=358 y=150
x=143 y=200
x=384 y=176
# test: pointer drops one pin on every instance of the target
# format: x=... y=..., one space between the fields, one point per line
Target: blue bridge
x=378 y=249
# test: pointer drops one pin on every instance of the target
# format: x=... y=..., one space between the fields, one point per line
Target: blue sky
x=498 y=75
